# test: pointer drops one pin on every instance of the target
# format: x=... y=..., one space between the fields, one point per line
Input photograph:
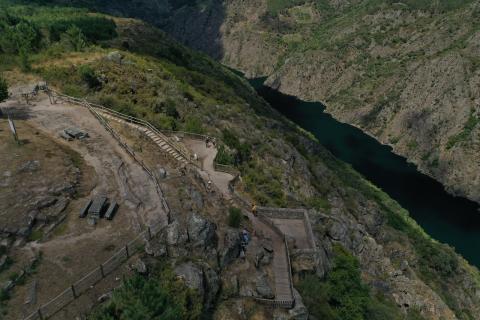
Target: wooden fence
x=122 y=255
x=96 y=275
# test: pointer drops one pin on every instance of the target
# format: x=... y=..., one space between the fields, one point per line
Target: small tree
x=88 y=75
x=75 y=38
x=27 y=38
x=3 y=89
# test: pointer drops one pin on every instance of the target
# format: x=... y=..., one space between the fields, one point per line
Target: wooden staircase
x=160 y=140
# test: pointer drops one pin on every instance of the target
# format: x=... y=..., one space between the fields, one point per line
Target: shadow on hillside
x=198 y=28
x=15 y=113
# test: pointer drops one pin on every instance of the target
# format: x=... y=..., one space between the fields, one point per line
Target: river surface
x=449 y=219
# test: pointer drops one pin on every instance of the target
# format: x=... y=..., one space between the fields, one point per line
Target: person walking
x=254 y=209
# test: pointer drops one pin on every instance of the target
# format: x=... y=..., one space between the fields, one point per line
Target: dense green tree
x=75 y=38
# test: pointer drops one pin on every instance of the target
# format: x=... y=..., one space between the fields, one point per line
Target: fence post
x=101 y=271
x=40 y=314
x=73 y=291
x=126 y=250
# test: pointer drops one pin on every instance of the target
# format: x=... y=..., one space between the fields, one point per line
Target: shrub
x=224 y=157
x=243 y=150
x=234 y=217
x=87 y=74
x=193 y=124
x=342 y=295
x=171 y=111
x=3 y=89
x=160 y=296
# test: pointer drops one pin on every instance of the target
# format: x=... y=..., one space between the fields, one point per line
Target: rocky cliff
x=407 y=73
x=281 y=165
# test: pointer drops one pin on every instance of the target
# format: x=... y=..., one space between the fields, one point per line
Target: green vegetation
x=75 y=38
x=471 y=123
x=27 y=30
x=263 y=183
x=160 y=296
x=234 y=217
x=242 y=150
x=343 y=296
x=193 y=124
x=175 y=88
x=3 y=89
x=87 y=74
x=224 y=156
x=35 y=235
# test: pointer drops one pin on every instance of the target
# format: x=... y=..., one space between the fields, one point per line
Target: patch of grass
x=319 y=203
x=263 y=183
x=35 y=235
x=193 y=124
x=471 y=123
x=60 y=230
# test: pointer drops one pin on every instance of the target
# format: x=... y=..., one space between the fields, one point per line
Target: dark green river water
x=449 y=219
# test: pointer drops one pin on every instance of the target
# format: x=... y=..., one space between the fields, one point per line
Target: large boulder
x=115 y=56
x=201 y=232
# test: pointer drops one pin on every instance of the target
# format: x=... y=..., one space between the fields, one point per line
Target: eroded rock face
x=231 y=247
x=201 y=278
x=400 y=282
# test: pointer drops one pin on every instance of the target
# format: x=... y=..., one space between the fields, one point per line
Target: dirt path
x=117 y=173
x=207 y=158
x=78 y=247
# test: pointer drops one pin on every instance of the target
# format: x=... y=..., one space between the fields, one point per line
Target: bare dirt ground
x=75 y=247
x=207 y=157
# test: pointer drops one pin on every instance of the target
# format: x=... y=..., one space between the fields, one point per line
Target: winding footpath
x=284 y=295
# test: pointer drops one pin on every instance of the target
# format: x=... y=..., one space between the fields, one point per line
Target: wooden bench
x=111 y=210
x=84 y=211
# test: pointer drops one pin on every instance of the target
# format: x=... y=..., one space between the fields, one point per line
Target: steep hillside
x=405 y=72
x=374 y=262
